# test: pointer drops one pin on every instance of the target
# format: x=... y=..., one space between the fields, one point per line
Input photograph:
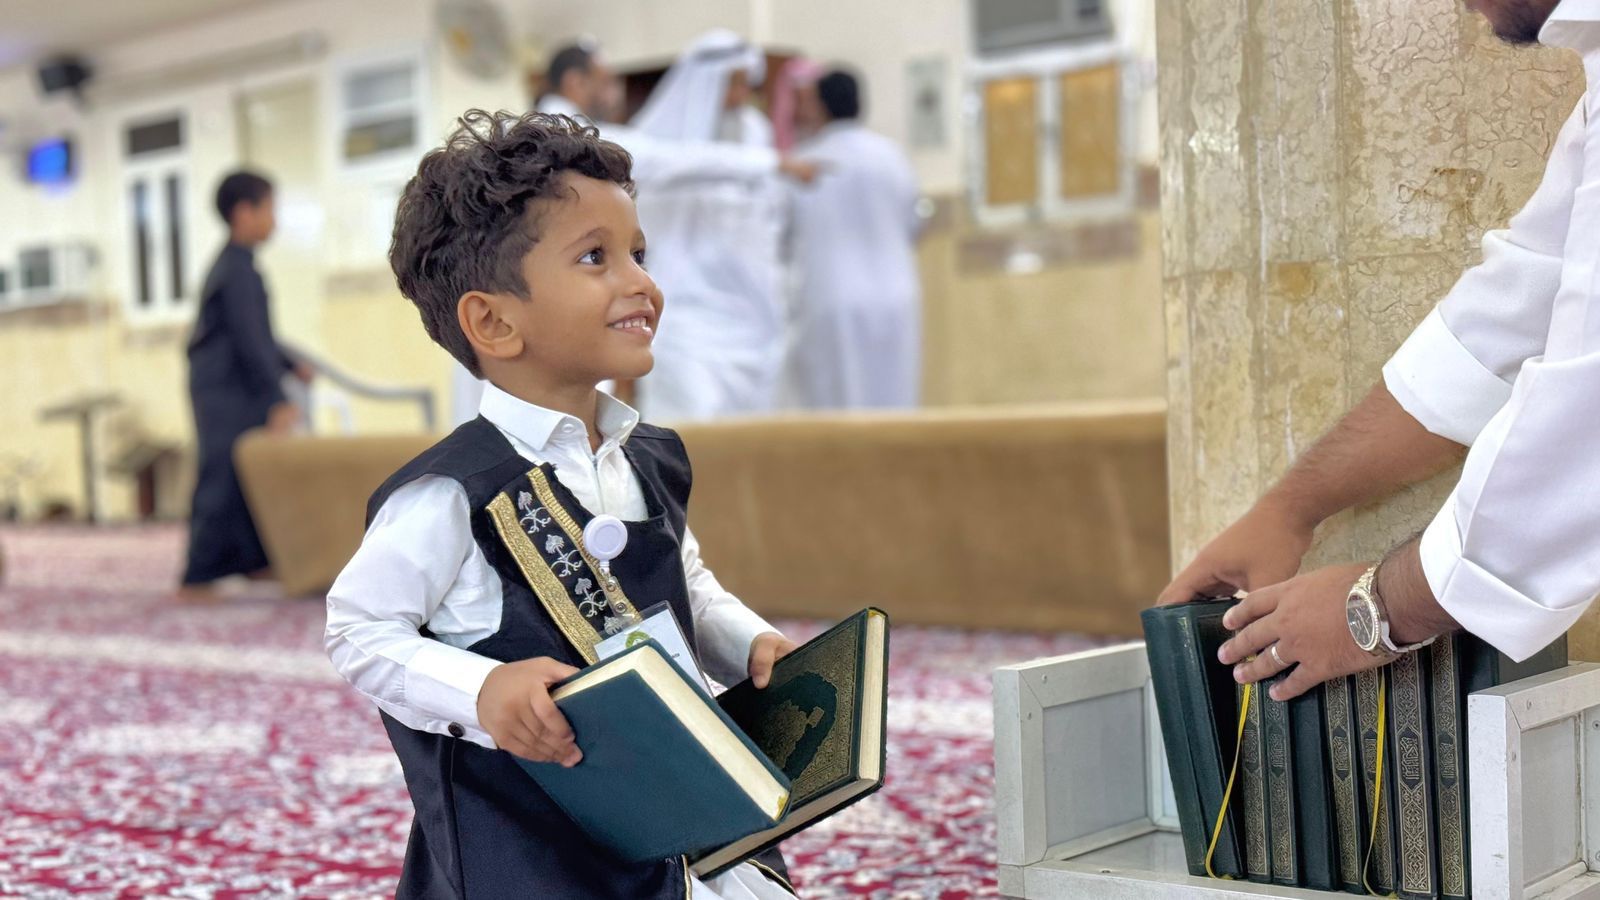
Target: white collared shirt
x=419 y=565
x=1509 y=362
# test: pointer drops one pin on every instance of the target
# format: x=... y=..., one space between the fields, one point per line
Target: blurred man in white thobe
x=713 y=244
x=856 y=335
x=696 y=159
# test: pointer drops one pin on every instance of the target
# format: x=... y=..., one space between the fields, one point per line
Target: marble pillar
x=1327 y=171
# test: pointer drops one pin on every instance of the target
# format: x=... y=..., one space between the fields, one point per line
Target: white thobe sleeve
x=1514 y=555
x=1455 y=370
x=407 y=563
x=658 y=162
x=724 y=626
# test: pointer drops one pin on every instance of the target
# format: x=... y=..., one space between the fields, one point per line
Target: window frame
x=1045 y=67
x=170 y=303
x=386 y=164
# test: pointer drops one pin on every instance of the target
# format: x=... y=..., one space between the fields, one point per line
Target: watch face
x=1363 y=622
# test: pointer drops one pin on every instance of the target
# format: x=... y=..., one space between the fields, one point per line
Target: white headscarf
x=688 y=103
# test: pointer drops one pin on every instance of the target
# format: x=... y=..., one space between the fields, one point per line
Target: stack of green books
x=1307 y=806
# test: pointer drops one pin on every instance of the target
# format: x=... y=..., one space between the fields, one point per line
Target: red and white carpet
x=150 y=748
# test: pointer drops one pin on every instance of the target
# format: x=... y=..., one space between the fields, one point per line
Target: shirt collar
x=1573 y=24
x=537 y=426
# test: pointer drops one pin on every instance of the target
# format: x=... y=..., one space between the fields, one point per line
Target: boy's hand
x=514 y=706
x=282 y=418
x=766 y=649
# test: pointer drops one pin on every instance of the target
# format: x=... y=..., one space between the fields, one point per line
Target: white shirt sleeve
x=1514 y=555
x=724 y=626
x=407 y=563
x=1455 y=371
x=658 y=162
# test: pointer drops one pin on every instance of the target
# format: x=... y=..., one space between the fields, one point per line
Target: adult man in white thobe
x=713 y=244
x=583 y=86
x=1508 y=363
x=855 y=340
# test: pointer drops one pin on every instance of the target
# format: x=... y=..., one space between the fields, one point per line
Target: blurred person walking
x=236 y=370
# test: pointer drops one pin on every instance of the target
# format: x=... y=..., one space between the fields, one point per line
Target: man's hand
x=282 y=418
x=1304 y=617
x=798 y=169
x=766 y=649
x=1264 y=547
x=514 y=706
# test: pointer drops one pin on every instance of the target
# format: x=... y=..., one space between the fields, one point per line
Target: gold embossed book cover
x=821 y=721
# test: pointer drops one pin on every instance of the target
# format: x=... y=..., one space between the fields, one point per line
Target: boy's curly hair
x=466 y=219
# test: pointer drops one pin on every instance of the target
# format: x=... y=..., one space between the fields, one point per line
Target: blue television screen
x=50 y=162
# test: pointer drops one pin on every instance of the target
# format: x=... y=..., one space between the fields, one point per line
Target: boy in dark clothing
x=473 y=590
x=235 y=375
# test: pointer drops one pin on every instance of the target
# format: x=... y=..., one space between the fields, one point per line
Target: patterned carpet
x=157 y=749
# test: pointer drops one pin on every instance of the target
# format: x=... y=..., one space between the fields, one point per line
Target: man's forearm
x=1414 y=613
x=1376 y=449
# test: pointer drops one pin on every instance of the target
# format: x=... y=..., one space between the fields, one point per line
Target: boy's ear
x=490 y=333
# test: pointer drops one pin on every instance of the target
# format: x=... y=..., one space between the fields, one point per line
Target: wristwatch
x=1364 y=612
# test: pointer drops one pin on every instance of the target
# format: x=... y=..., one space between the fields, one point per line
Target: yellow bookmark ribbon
x=1377 y=780
x=1227 y=794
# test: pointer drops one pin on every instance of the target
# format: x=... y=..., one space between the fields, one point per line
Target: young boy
x=472 y=593
x=235 y=374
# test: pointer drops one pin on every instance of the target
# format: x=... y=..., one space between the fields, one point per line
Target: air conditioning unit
x=1001 y=26
x=51 y=273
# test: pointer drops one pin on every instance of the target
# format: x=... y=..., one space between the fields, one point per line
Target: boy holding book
x=473 y=591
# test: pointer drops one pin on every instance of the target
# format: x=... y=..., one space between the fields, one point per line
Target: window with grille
x=380 y=111
x=1051 y=111
x=156 y=198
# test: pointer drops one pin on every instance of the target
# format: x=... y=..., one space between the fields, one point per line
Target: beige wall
x=1327 y=171
x=1079 y=329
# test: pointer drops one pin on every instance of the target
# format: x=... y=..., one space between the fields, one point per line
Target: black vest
x=483 y=828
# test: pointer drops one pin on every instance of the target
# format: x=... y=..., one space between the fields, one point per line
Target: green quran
x=1358 y=785
x=821 y=720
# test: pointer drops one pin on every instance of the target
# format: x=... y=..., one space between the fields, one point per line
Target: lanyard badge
x=605 y=537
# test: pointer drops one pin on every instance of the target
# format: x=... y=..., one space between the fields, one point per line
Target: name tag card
x=658 y=623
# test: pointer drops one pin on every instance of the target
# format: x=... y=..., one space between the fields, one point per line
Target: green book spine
x=1344 y=768
x=1253 y=791
x=1212 y=748
x=1313 y=793
x=1379 y=861
x=1449 y=708
x=1188 y=679
x=1166 y=643
x=1281 y=812
x=1416 y=872
x=1460 y=664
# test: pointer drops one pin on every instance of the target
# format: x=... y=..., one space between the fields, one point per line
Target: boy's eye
x=638 y=258
x=593 y=257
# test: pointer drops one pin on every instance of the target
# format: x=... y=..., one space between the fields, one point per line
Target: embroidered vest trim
x=547 y=545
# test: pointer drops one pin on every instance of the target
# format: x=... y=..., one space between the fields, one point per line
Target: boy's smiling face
x=591 y=311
